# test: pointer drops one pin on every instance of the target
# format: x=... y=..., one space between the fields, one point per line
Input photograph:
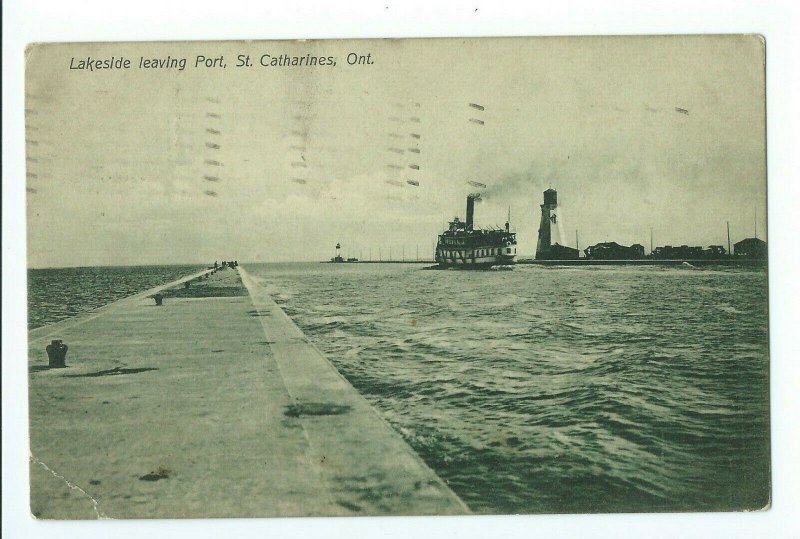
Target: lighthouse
x=546 y=225
x=338 y=257
x=551 y=232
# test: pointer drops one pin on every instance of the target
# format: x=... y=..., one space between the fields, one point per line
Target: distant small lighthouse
x=338 y=257
x=549 y=218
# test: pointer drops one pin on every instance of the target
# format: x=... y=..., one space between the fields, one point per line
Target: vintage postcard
x=397 y=277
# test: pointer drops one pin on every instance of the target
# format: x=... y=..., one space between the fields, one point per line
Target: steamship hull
x=464 y=247
x=454 y=256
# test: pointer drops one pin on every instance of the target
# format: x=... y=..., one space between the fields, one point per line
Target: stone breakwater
x=212 y=404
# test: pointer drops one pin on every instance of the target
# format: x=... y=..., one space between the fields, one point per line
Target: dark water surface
x=59 y=293
x=572 y=389
x=557 y=389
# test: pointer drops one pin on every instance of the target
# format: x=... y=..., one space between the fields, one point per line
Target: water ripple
x=558 y=390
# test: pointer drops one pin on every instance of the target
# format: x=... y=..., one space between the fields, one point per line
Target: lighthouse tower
x=338 y=257
x=548 y=224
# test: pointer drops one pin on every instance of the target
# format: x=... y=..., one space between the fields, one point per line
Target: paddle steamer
x=463 y=246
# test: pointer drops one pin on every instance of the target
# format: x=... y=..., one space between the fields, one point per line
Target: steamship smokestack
x=471 y=209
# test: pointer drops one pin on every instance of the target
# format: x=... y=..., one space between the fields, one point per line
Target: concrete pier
x=212 y=405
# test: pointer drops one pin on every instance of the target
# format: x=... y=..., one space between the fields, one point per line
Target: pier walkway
x=212 y=405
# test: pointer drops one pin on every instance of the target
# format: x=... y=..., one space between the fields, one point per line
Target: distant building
x=612 y=250
x=750 y=248
x=715 y=251
x=562 y=252
x=684 y=252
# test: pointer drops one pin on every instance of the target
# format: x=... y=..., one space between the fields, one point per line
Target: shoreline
x=744 y=262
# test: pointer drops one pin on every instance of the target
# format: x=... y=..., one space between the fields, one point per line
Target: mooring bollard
x=57 y=354
x=159 y=299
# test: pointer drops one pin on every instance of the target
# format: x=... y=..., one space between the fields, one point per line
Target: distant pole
x=651 y=239
x=728 y=223
x=577 y=247
x=404 y=253
x=390 y=254
x=418 y=252
x=755 y=227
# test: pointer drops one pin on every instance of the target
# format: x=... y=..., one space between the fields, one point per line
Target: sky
x=269 y=164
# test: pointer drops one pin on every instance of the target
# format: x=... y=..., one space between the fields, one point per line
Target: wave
x=576 y=389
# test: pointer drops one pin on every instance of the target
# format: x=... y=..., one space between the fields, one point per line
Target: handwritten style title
x=200 y=61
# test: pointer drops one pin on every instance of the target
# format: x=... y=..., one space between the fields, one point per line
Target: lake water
x=558 y=389
x=58 y=293
x=542 y=389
